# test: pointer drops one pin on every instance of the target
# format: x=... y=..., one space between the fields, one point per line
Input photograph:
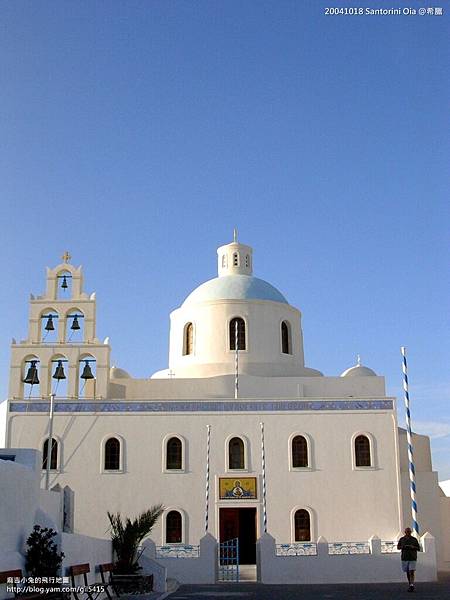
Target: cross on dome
x=66 y=256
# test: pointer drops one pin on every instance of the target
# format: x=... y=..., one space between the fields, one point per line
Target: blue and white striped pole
x=236 y=361
x=208 y=446
x=412 y=469
x=263 y=474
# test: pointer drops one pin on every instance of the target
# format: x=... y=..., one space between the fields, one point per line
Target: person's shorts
x=408 y=565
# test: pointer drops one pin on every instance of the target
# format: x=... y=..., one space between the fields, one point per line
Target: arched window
x=174 y=524
x=240 y=333
x=362 y=451
x=236 y=455
x=285 y=338
x=174 y=454
x=188 y=343
x=302 y=526
x=299 y=452
x=235 y=259
x=53 y=455
x=112 y=454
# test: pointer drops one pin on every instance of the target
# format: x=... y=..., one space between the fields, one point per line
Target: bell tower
x=61 y=354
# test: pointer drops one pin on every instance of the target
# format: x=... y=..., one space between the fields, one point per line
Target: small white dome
x=358 y=371
x=116 y=373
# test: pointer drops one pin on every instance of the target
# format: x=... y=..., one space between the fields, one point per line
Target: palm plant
x=127 y=535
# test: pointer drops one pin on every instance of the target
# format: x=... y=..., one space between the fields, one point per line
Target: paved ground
x=255 y=591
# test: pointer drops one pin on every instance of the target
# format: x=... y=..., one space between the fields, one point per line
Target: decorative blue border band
x=204 y=406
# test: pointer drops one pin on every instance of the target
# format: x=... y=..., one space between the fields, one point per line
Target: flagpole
x=263 y=475
x=49 y=443
x=208 y=445
x=412 y=469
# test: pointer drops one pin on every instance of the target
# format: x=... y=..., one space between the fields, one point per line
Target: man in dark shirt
x=409 y=547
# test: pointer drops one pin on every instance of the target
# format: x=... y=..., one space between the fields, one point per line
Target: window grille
x=112 y=454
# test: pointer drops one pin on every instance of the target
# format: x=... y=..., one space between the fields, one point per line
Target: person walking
x=409 y=547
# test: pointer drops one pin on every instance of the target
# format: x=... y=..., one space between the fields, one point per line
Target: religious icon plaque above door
x=232 y=488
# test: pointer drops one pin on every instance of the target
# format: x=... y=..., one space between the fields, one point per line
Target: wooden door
x=229 y=524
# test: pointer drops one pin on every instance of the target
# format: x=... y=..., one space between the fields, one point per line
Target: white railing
x=178 y=551
x=296 y=549
x=310 y=548
x=349 y=548
x=389 y=547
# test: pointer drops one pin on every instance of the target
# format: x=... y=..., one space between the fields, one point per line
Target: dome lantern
x=234 y=258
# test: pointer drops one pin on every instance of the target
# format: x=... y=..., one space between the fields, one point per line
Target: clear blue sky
x=138 y=134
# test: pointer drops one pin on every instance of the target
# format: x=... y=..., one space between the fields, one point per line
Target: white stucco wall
x=212 y=354
x=444 y=556
x=200 y=570
x=330 y=487
x=350 y=568
x=3 y=413
x=19 y=500
x=222 y=386
x=80 y=549
x=52 y=504
x=23 y=505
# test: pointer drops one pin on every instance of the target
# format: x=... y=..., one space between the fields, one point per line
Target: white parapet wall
x=322 y=566
x=151 y=567
x=187 y=564
x=80 y=549
x=444 y=506
x=51 y=503
x=23 y=505
x=18 y=502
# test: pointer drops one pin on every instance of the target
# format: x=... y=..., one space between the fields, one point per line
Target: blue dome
x=235 y=287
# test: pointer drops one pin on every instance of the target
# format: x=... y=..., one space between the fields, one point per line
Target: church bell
x=32 y=374
x=64 y=283
x=49 y=325
x=59 y=371
x=75 y=325
x=87 y=372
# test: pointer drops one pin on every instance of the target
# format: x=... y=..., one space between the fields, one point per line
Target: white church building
x=237 y=437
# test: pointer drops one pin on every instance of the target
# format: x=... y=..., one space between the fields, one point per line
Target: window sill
x=237 y=471
x=175 y=544
x=364 y=468
x=112 y=471
x=177 y=471
x=296 y=469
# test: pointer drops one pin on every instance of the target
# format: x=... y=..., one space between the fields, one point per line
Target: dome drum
x=213 y=346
